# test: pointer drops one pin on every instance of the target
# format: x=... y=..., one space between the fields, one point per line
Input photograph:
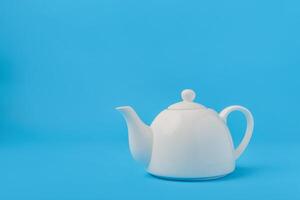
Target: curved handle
x=250 y=125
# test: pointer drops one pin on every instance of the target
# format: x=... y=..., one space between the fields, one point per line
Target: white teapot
x=187 y=141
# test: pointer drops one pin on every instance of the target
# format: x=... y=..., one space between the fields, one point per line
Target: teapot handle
x=250 y=125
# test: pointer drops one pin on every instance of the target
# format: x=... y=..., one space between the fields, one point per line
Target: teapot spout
x=139 y=134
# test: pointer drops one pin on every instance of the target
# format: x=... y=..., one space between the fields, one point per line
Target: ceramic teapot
x=186 y=141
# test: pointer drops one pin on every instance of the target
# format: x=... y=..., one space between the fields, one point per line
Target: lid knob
x=188 y=95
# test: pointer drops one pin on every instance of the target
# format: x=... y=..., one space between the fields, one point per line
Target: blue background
x=65 y=65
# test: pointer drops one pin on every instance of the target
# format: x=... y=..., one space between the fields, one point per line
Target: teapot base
x=189 y=178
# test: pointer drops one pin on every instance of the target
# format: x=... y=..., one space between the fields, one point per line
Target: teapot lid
x=187 y=103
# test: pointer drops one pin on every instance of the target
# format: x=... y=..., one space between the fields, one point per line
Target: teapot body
x=187 y=141
x=189 y=144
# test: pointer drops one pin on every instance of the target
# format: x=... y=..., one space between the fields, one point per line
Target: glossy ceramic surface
x=187 y=141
